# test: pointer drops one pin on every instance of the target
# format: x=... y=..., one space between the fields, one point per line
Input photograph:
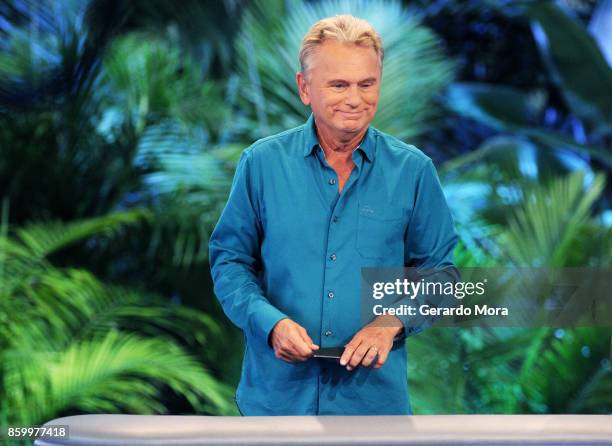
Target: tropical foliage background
x=120 y=126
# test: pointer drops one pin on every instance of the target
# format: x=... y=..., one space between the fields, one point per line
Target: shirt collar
x=367 y=146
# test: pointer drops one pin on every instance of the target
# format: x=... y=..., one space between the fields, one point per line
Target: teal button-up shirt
x=288 y=244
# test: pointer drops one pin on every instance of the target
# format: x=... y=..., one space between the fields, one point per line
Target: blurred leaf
x=54 y=163
x=155 y=80
x=205 y=29
x=179 y=158
x=571 y=373
x=43 y=239
x=557 y=140
x=180 y=118
x=116 y=373
x=188 y=182
x=575 y=61
x=65 y=345
x=48 y=53
x=483 y=186
x=548 y=219
x=497 y=106
x=509 y=109
x=601 y=27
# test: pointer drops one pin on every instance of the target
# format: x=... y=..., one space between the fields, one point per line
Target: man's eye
x=338 y=85
x=367 y=85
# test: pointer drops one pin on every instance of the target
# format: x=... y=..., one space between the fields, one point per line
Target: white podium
x=170 y=430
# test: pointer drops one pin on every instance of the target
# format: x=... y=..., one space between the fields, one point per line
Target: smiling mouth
x=350 y=113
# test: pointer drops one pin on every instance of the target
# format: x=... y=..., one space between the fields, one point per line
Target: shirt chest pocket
x=380 y=232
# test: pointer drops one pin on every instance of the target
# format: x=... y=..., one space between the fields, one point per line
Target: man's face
x=342 y=86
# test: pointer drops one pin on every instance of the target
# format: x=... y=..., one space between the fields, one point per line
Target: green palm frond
x=64 y=306
x=118 y=373
x=153 y=79
x=572 y=374
x=64 y=342
x=509 y=370
x=179 y=128
x=24 y=254
x=414 y=69
x=205 y=29
x=178 y=158
x=189 y=182
x=466 y=370
x=594 y=396
x=53 y=96
x=483 y=187
x=548 y=220
x=43 y=239
x=47 y=53
x=495 y=358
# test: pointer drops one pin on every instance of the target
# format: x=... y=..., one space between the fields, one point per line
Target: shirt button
x=332 y=257
x=328 y=333
x=335 y=219
x=332 y=181
x=331 y=294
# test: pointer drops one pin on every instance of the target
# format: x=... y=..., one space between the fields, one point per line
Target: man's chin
x=352 y=125
x=353 y=129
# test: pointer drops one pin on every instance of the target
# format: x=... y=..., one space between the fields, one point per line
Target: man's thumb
x=308 y=341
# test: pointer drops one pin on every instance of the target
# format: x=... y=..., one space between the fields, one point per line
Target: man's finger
x=358 y=355
x=369 y=356
x=289 y=347
x=382 y=358
x=307 y=339
x=348 y=352
x=289 y=359
x=283 y=356
x=300 y=347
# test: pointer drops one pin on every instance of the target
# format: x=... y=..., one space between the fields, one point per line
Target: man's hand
x=291 y=342
x=375 y=339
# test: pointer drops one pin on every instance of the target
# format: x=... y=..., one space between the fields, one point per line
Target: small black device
x=329 y=353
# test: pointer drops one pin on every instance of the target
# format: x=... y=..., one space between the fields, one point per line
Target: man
x=308 y=209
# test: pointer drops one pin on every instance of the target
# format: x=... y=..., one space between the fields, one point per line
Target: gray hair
x=344 y=29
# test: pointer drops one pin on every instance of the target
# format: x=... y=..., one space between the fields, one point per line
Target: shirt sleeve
x=429 y=241
x=234 y=254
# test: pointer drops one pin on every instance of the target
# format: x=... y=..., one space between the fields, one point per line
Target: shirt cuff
x=407 y=331
x=264 y=318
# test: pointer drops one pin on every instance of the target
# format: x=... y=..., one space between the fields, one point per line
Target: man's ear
x=303 y=88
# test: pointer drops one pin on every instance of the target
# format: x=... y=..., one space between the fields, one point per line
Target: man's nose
x=353 y=99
